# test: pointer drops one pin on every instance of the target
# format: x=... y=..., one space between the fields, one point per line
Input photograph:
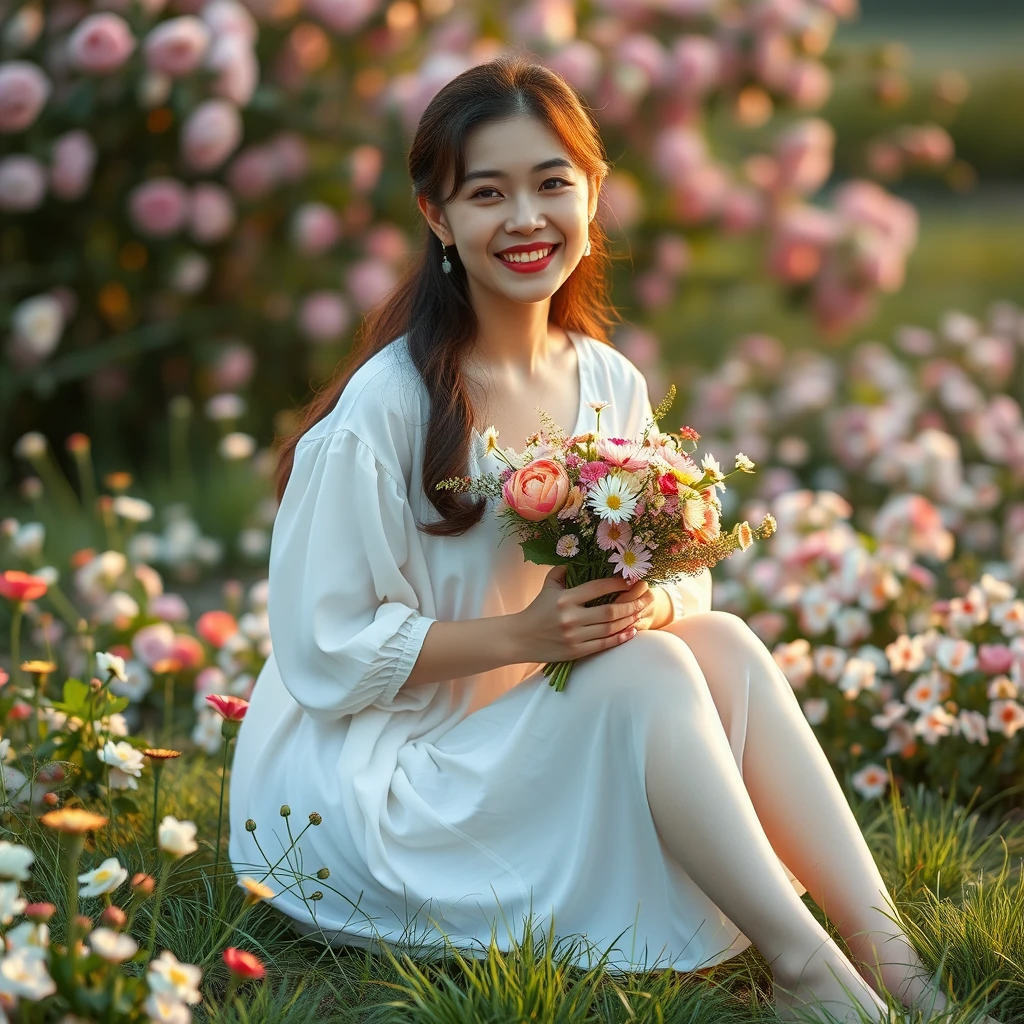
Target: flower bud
x=143 y=884
x=285 y=810
x=84 y=922
x=39 y=912
x=114 y=917
x=51 y=799
x=323 y=873
x=318 y=895
x=250 y=825
x=315 y=819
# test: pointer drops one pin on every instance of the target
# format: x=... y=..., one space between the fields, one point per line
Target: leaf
x=76 y=698
x=541 y=551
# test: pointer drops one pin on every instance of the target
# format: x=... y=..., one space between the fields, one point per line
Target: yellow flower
x=161 y=753
x=41 y=667
x=255 y=891
x=74 y=820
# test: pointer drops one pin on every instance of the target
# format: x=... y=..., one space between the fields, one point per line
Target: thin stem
x=165 y=866
x=168 y=709
x=220 y=809
x=19 y=607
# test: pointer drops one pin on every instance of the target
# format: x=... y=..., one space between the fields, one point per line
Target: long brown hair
x=433 y=308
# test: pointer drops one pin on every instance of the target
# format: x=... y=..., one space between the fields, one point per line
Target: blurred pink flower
x=22 y=183
x=254 y=172
x=101 y=43
x=743 y=210
x=159 y=207
x=366 y=163
x=168 y=607
x=234 y=366
x=700 y=195
x=238 y=71
x=210 y=134
x=995 y=659
x=678 y=151
x=345 y=16
x=229 y=18
x=153 y=643
x=315 y=228
x=926 y=145
x=292 y=155
x=865 y=203
x=623 y=200
x=803 y=152
x=808 y=84
x=368 y=282
x=73 y=159
x=579 y=63
x=211 y=213
x=24 y=90
x=695 y=65
x=802 y=236
x=177 y=46
x=324 y=316
x=645 y=54
x=387 y=242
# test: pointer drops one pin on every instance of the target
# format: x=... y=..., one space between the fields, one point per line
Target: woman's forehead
x=516 y=144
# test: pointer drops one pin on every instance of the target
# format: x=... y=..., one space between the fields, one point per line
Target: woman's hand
x=559 y=626
x=655 y=604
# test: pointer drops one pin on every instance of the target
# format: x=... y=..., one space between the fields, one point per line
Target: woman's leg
x=704 y=816
x=801 y=805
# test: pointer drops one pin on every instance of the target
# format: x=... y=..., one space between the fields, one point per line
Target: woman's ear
x=593 y=195
x=435 y=218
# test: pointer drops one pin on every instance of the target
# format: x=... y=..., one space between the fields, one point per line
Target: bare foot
x=828 y=982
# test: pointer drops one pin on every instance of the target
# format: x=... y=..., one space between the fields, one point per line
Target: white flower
x=124 y=758
x=994 y=589
x=113 y=725
x=870 y=781
x=829 y=662
x=795 y=661
x=23 y=973
x=1009 y=617
x=956 y=656
x=815 y=710
x=134 y=509
x=818 y=608
x=30 y=446
x=1005 y=716
x=39 y=322
x=165 y=1009
x=35 y=934
x=925 y=691
x=28 y=541
x=177 y=837
x=488 y=442
x=112 y=946
x=934 y=723
x=237 y=445
x=119 y=608
x=11 y=902
x=103 y=879
x=568 y=546
x=611 y=498
x=226 y=406
x=15 y=860
x=206 y=733
x=905 y=653
x=168 y=976
x=711 y=467
x=892 y=712
x=137 y=683
x=973 y=727
x=743 y=463
x=107 y=663
x=858 y=674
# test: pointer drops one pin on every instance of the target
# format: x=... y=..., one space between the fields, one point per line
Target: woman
x=672 y=804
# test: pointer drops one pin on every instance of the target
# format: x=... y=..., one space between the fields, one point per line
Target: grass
x=955 y=873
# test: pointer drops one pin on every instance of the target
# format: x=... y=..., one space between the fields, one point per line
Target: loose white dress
x=465 y=807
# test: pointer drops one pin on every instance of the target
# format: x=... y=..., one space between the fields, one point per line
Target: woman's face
x=522 y=193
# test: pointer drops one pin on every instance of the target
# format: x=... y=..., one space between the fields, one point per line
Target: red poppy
x=216 y=627
x=21 y=586
x=231 y=708
x=243 y=964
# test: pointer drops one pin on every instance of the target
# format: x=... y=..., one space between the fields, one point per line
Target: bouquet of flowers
x=642 y=508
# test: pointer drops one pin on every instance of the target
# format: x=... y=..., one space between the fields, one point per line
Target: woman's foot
x=829 y=982
x=919 y=992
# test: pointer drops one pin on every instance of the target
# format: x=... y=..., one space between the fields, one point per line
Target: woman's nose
x=525 y=216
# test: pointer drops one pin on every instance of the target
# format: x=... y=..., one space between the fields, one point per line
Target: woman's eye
x=479 y=193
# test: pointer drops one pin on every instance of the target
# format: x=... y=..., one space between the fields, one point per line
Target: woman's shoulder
x=382 y=405
x=615 y=364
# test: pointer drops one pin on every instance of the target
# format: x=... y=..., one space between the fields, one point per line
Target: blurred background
x=817 y=222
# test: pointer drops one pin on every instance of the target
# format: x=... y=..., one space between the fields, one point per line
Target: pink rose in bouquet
x=538 y=490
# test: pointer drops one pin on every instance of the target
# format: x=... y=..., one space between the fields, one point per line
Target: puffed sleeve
x=691 y=593
x=347 y=574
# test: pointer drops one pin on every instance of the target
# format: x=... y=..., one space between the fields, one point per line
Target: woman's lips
x=532 y=267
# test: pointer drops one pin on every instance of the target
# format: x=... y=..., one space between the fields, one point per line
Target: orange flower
x=75 y=820
x=216 y=627
x=166 y=666
x=21 y=586
x=161 y=753
x=40 y=667
x=244 y=964
x=82 y=557
x=232 y=709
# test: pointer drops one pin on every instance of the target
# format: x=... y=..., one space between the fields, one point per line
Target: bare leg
x=802 y=807
x=704 y=816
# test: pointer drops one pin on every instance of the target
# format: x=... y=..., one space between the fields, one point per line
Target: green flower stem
x=220 y=808
x=157 y=768
x=67 y=610
x=86 y=479
x=110 y=812
x=165 y=867
x=76 y=841
x=19 y=608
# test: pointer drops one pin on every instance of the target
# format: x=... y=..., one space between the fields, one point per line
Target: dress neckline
x=579 y=343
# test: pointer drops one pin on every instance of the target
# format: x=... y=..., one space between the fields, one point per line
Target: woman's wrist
x=664 y=608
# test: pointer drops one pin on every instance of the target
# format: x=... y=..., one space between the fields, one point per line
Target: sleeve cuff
x=410 y=636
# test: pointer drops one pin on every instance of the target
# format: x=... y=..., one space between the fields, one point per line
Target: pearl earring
x=586 y=252
x=446 y=265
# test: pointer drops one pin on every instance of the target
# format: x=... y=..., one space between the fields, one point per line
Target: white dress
x=460 y=807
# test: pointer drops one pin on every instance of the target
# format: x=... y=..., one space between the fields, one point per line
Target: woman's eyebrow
x=558 y=161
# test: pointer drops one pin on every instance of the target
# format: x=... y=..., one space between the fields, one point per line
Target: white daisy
x=612 y=499
x=633 y=561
